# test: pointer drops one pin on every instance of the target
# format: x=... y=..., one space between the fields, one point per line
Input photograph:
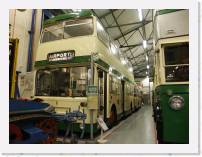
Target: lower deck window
x=177 y=73
x=62 y=82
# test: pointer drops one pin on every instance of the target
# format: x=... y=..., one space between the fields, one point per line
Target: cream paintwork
x=85 y=45
x=63 y=104
x=82 y=46
x=160 y=63
x=105 y=55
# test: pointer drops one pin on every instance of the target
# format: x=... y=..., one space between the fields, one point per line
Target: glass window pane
x=51 y=35
x=61 y=82
x=78 y=28
x=78 y=81
x=43 y=83
x=177 y=54
x=72 y=28
x=102 y=35
x=177 y=73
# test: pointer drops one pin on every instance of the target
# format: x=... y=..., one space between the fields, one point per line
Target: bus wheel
x=113 y=117
x=49 y=126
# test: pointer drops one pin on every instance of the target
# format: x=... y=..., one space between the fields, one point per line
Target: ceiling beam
x=141 y=66
x=132 y=29
x=142 y=70
x=141 y=54
x=134 y=45
x=108 y=13
x=117 y=18
x=142 y=61
x=120 y=31
x=127 y=24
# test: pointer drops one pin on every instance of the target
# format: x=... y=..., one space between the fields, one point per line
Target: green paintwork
x=56 y=19
x=79 y=60
x=102 y=63
x=175 y=124
x=126 y=79
x=116 y=72
x=166 y=11
x=75 y=60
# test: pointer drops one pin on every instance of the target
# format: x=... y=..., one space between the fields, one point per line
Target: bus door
x=122 y=96
x=102 y=93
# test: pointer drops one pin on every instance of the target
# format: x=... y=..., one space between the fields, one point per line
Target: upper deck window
x=177 y=62
x=102 y=35
x=68 y=29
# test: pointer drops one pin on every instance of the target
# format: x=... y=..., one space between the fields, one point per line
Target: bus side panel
x=175 y=123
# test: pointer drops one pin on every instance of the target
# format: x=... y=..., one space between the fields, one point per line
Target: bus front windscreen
x=68 y=29
x=62 y=82
x=177 y=62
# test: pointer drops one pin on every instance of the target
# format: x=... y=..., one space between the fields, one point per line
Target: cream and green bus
x=78 y=66
x=171 y=77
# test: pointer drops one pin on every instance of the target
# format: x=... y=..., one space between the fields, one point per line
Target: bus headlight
x=176 y=102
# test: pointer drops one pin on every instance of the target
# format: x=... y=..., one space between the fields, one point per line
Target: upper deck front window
x=68 y=29
x=177 y=62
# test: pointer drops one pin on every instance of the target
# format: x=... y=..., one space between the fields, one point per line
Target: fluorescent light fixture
x=146 y=72
x=113 y=49
x=130 y=69
x=99 y=26
x=140 y=14
x=110 y=69
x=76 y=10
x=123 y=61
x=75 y=13
x=147 y=66
x=146 y=58
x=147 y=77
x=153 y=44
x=144 y=44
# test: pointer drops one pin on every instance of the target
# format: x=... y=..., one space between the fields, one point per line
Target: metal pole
x=149 y=94
x=91 y=110
x=91 y=124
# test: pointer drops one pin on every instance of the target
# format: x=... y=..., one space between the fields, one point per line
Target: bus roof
x=56 y=19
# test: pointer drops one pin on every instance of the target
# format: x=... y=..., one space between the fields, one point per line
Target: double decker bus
x=171 y=78
x=78 y=66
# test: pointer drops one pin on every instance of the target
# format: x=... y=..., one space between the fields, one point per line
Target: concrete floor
x=138 y=128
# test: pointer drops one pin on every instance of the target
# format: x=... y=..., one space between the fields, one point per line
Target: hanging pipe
x=31 y=37
x=42 y=19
